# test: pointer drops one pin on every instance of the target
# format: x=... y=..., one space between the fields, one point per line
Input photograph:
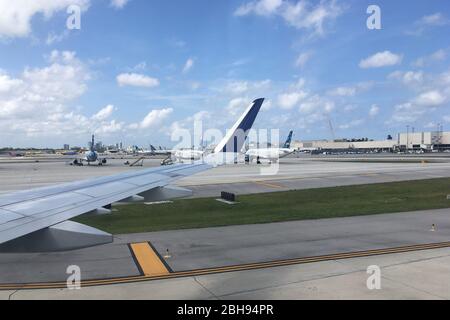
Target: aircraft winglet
x=235 y=138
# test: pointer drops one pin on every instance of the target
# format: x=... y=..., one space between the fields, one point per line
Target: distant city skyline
x=136 y=70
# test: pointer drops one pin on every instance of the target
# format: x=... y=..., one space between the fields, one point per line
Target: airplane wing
x=36 y=220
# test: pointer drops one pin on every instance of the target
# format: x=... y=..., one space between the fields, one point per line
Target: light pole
x=407 y=138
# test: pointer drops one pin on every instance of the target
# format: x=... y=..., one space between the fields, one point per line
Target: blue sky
x=139 y=70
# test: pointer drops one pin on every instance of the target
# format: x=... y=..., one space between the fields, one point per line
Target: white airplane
x=145 y=152
x=272 y=154
x=188 y=154
x=90 y=156
x=38 y=220
x=160 y=151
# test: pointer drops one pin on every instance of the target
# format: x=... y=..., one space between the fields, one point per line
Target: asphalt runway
x=412 y=275
x=234 y=245
x=292 y=173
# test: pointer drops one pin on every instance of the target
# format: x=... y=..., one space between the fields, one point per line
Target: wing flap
x=106 y=190
x=7 y=216
x=45 y=206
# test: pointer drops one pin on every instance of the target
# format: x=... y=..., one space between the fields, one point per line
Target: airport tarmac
x=292 y=173
x=411 y=275
x=197 y=249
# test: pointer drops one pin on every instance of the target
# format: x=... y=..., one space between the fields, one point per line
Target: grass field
x=277 y=206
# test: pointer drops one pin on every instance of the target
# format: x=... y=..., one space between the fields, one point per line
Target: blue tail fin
x=287 y=144
x=93 y=143
x=235 y=138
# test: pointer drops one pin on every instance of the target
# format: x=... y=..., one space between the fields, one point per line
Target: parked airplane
x=188 y=154
x=90 y=156
x=16 y=154
x=272 y=154
x=160 y=151
x=69 y=153
x=179 y=154
x=38 y=220
x=145 y=152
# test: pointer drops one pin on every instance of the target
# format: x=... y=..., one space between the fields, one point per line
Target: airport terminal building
x=432 y=141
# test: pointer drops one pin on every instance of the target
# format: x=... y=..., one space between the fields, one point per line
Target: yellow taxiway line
x=270 y=185
x=147 y=259
x=235 y=268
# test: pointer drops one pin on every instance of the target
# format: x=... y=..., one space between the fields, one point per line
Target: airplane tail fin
x=152 y=148
x=287 y=144
x=92 y=143
x=235 y=138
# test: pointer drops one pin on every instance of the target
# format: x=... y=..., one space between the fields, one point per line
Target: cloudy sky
x=137 y=70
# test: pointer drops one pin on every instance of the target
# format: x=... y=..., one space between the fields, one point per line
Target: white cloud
x=351 y=124
x=183 y=126
x=430 y=125
x=8 y=84
x=381 y=59
x=408 y=77
x=110 y=127
x=155 y=117
x=436 y=19
x=302 y=59
x=16 y=16
x=141 y=66
x=426 y=22
x=237 y=105
x=119 y=4
x=136 y=80
x=431 y=98
x=289 y=100
x=259 y=7
x=104 y=113
x=316 y=104
x=301 y=15
x=38 y=102
x=343 y=91
x=267 y=105
x=406 y=112
x=299 y=84
x=237 y=87
x=417 y=107
x=54 y=38
x=439 y=55
x=350 y=91
x=374 y=110
x=240 y=87
x=188 y=65
x=350 y=107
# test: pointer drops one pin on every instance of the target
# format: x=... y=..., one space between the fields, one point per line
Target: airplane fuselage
x=91 y=156
x=269 y=153
x=188 y=154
